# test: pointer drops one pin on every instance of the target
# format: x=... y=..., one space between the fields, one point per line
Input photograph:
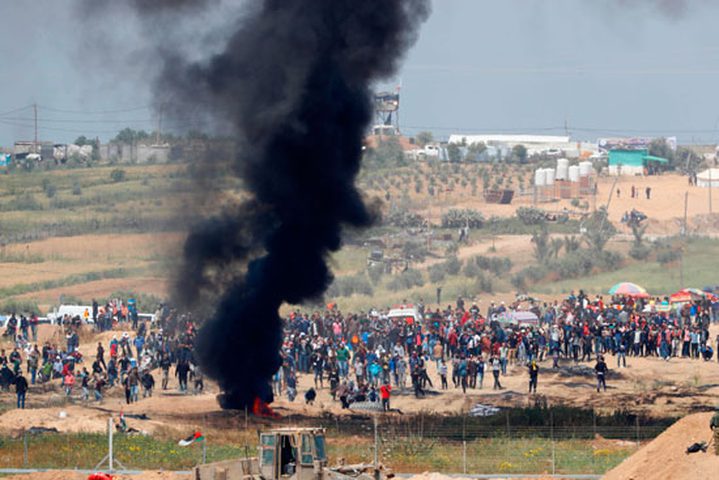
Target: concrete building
x=554 y=145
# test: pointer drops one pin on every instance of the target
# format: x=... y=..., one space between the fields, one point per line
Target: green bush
x=416 y=251
x=23 y=202
x=453 y=265
x=375 y=273
x=531 y=215
x=484 y=284
x=19 y=306
x=348 y=286
x=437 y=273
x=639 y=251
x=459 y=218
x=408 y=279
x=76 y=188
x=668 y=255
x=118 y=175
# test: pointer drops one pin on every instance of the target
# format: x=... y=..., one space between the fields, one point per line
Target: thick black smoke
x=294 y=82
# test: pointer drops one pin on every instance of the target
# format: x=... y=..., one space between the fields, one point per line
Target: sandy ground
x=70 y=475
x=650 y=385
x=665 y=457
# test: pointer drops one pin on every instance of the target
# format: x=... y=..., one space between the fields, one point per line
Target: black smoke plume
x=294 y=82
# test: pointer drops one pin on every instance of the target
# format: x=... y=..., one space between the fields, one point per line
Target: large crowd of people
x=363 y=357
x=358 y=353
x=126 y=361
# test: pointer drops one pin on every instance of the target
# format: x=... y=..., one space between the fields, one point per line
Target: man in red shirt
x=385 y=391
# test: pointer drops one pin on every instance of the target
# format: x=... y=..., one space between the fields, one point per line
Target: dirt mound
x=439 y=476
x=665 y=457
x=71 y=475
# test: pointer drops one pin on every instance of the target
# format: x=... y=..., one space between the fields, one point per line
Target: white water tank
x=549 y=176
x=585 y=169
x=574 y=173
x=562 y=169
x=540 y=178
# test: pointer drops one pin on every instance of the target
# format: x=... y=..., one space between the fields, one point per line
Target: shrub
x=118 y=175
x=416 y=251
x=375 y=273
x=459 y=218
x=668 y=255
x=484 y=284
x=26 y=201
x=437 y=273
x=76 y=188
x=531 y=215
x=639 y=251
x=408 y=279
x=19 y=306
x=453 y=265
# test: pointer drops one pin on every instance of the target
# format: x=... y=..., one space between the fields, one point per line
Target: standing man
x=385 y=391
x=714 y=425
x=20 y=389
x=495 y=371
x=601 y=370
x=533 y=374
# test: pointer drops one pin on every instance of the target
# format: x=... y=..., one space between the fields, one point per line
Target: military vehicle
x=291 y=454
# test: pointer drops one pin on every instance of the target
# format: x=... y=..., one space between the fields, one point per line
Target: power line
x=15 y=110
x=96 y=112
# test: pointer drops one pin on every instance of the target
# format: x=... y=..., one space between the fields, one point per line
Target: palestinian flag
x=194 y=438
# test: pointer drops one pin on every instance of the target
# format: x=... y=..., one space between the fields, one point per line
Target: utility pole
x=34 y=109
x=710 y=190
x=683 y=235
x=159 y=126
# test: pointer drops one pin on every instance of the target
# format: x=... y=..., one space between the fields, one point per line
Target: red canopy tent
x=690 y=295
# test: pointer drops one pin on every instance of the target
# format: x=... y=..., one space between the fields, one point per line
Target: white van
x=57 y=315
x=408 y=313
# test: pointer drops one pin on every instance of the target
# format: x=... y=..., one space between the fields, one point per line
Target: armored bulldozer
x=289 y=454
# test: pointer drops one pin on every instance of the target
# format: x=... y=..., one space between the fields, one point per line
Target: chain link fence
x=456 y=444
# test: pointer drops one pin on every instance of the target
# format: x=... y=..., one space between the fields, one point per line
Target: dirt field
x=665 y=456
x=70 y=475
x=648 y=385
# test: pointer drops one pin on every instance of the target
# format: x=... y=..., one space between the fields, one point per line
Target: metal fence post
x=639 y=443
x=204 y=451
x=551 y=435
x=464 y=444
x=110 y=455
x=25 y=459
x=376 y=443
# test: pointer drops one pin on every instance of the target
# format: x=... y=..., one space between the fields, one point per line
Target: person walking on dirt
x=714 y=426
x=601 y=370
x=20 y=390
x=165 y=364
x=181 y=371
x=442 y=369
x=496 y=367
x=385 y=391
x=533 y=374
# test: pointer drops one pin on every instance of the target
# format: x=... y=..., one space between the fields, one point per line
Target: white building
x=536 y=144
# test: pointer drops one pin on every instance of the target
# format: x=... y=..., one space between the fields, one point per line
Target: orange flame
x=263 y=409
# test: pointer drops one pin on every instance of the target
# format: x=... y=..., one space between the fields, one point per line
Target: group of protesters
x=126 y=361
x=357 y=354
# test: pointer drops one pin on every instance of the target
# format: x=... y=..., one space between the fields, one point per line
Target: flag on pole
x=194 y=438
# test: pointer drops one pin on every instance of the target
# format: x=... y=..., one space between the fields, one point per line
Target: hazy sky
x=604 y=67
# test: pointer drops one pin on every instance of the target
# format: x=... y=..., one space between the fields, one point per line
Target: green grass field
x=658 y=279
